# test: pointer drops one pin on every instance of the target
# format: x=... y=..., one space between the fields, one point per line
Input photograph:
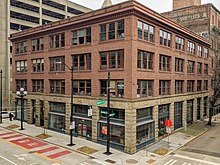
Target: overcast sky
x=157 y=5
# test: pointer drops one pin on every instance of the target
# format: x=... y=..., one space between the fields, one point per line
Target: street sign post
x=99 y=102
x=168 y=124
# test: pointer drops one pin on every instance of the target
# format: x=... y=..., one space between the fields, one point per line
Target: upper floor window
x=37 y=44
x=179 y=65
x=57 y=86
x=206 y=53
x=82 y=61
x=82 y=87
x=21 y=66
x=21 y=47
x=144 y=88
x=112 y=59
x=178 y=86
x=21 y=84
x=145 y=60
x=199 y=52
x=190 y=67
x=205 y=84
x=199 y=85
x=116 y=88
x=180 y=43
x=82 y=36
x=164 y=87
x=145 y=31
x=57 y=40
x=164 y=63
x=190 y=85
x=57 y=63
x=38 y=65
x=165 y=38
x=191 y=47
x=38 y=86
x=112 y=30
x=206 y=67
x=199 y=68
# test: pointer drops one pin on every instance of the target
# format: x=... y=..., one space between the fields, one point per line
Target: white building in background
x=17 y=15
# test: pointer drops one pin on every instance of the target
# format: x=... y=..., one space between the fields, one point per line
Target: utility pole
x=1 y=96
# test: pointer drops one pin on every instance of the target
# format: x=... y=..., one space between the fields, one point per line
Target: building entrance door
x=82 y=129
x=41 y=113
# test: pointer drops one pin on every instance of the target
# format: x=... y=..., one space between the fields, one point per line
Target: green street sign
x=104 y=112
x=99 y=102
x=112 y=114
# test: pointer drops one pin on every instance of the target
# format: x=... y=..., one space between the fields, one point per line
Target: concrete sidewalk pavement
x=145 y=156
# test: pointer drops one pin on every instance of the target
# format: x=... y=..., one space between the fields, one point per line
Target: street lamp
x=1 y=96
x=71 y=112
x=22 y=93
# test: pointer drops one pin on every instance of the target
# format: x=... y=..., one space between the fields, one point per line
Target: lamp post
x=22 y=93
x=1 y=96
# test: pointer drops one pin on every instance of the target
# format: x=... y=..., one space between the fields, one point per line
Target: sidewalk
x=146 y=156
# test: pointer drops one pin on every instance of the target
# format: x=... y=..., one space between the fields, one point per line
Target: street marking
x=198 y=160
x=168 y=162
x=28 y=143
x=8 y=160
x=59 y=154
x=14 y=136
x=7 y=133
x=98 y=161
x=21 y=157
x=47 y=149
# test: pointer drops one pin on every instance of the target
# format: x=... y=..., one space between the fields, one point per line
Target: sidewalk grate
x=151 y=161
x=12 y=126
x=131 y=161
x=87 y=150
x=110 y=161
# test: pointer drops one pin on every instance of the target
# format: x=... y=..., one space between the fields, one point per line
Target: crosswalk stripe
x=168 y=162
x=184 y=163
x=173 y=162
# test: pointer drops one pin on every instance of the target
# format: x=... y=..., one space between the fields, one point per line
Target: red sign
x=168 y=123
x=104 y=130
x=28 y=143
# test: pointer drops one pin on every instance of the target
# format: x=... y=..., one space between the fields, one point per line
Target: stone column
x=155 y=117
x=195 y=110
x=172 y=115
x=67 y=118
x=37 y=122
x=46 y=114
x=29 y=111
x=184 y=115
x=95 y=118
x=202 y=108
x=130 y=131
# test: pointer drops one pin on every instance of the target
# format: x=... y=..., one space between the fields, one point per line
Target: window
x=199 y=51
x=191 y=47
x=206 y=67
x=199 y=68
x=112 y=59
x=21 y=66
x=190 y=67
x=144 y=113
x=38 y=44
x=38 y=86
x=82 y=87
x=164 y=87
x=81 y=61
x=38 y=65
x=116 y=88
x=164 y=63
x=190 y=85
x=21 y=84
x=57 y=40
x=180 y=43
x=205 y=84
x=178 y=86
x=57 y=86
x=163 y=115
x=144 y=88
x=179 y=65
x=199 y=85
x=165 y=38
x=57 y=64
x=112 y=30
x=21 y=47
x=145 y=60
x=82 y=36
x=206 y=53
x=145 y=31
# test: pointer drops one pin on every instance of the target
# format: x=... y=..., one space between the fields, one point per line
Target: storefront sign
x=72 y=125
x=104 y=130
x=89 y=112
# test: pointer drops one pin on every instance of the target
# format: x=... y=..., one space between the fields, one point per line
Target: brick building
x=157 y=73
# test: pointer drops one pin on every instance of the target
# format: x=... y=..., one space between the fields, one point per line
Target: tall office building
x=18 y=15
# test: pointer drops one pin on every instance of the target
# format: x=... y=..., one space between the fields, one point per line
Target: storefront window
x=163 y=115
x=189 y=111
x=18 y=110
x=117 y=133
x=144 y=114
x=145 y=132
x=57 y=107
x=118 y=115
x=57 y=122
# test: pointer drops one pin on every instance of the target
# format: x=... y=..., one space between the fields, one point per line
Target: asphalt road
x=18 y=149
x=204 y=150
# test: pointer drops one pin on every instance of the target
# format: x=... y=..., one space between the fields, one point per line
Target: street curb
x=51 y=143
